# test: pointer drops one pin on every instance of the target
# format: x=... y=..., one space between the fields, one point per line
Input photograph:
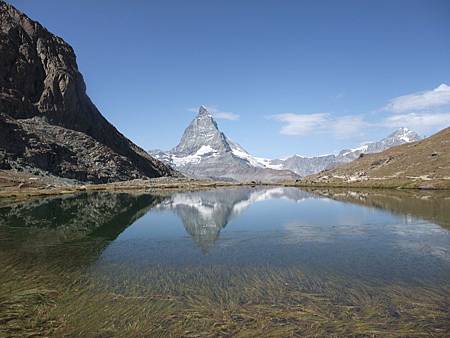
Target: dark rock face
x=50 y=121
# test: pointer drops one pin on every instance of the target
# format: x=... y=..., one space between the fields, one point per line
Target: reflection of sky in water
x=282 y=227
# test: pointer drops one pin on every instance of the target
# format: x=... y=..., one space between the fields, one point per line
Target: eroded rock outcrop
x=47 y=121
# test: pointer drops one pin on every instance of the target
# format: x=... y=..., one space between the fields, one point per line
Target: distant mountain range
x=424 y=164
x=305 y=166
x=205 y=152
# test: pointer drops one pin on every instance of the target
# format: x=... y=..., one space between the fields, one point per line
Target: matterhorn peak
x=201 y=134
x=203 y=111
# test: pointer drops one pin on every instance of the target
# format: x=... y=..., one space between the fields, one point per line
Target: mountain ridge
x=421 y=164
x=206 y=152
x=43 y=103
x=304 y=166
x=203 y=149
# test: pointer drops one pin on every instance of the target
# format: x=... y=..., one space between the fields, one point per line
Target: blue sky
x=284 y=77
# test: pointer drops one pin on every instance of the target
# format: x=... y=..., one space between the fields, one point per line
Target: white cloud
x=304 y=124
x=218 y=114
x=421 y=122
x=416 y=102
x=348 y=126
x=297 y=124
x=423 y=112
x=222 y=115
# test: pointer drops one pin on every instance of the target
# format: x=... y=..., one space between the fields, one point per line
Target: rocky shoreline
x=23 y=185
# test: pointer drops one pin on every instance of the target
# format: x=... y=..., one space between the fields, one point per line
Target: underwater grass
x=212 y=301
x=50 y=287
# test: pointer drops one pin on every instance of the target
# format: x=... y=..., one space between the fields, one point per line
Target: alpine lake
x=246 y=262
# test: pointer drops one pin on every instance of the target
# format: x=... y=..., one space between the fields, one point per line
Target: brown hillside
x=422 y=164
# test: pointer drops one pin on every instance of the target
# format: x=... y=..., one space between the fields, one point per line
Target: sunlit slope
x=422 y=164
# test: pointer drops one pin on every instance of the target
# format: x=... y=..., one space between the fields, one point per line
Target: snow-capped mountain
x=305 y=166
x=398 y=137
x=205 y=152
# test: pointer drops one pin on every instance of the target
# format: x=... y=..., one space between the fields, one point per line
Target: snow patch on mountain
x=311 y=165
x=258 y=196
x=205 y=152
x=240 y=152
x=194 y=158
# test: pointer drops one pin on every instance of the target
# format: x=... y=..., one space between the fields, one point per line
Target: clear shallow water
x=244 y=261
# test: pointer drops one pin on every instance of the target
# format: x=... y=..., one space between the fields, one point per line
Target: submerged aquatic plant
x=67 y=280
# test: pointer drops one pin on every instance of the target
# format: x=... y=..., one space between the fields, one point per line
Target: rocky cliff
x=48 y=124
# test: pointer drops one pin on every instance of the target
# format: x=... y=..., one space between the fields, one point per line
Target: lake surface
x=227 y=262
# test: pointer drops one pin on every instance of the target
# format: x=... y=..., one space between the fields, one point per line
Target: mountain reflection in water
x=319 y=261
x=205 y=213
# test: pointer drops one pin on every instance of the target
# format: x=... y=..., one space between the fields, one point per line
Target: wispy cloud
x=304 y=124
x=300 y=124
x=219 y=114
x=422 y=101
x=421 y=122
x=348 y=126
x=223 y=115
x=423 y=112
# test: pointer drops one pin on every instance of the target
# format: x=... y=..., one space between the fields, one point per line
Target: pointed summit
x=205 y=152
x=203 y=111
x=202 y=133
x=402 y=135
